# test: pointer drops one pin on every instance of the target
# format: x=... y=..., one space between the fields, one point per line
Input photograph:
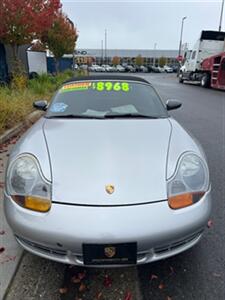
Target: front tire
x=205 y=81
x=181 y=80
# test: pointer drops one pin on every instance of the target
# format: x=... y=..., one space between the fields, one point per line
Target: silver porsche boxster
x=106 y=177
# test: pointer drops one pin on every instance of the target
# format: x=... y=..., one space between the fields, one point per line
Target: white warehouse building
x=128 y=56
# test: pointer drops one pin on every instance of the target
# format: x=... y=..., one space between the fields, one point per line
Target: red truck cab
x=215 y=67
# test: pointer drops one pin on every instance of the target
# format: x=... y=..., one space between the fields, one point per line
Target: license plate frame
x=110 y=254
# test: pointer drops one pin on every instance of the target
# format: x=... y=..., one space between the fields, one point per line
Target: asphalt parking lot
x=195 y=274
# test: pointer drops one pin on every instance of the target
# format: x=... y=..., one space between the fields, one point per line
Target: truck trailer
x=205 y=63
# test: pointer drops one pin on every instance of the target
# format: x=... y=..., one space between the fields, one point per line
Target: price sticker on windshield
x=111 y=86
x=99 y=86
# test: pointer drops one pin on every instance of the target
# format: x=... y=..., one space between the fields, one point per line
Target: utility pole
x=102 y=52
x=105 y=46
x=155 y=45
x=181 y=35
x=221 y=16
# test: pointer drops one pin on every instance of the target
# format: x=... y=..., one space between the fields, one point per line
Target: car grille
x=42 y=248
x=177 y=244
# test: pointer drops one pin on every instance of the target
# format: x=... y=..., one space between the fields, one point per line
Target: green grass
x=15 y=104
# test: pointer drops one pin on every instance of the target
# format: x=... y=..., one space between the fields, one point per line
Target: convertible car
x=107 y=177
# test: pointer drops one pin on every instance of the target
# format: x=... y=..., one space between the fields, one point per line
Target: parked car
x=175 y=68
x=75 y=67
x=143 y=69
x=92 y=68
x=149 y=68
x=97 y=68
x=110 y=179
x=155 y=69
x=83 y=67
x=161 y=70
x=130 y=68
x=168 y=69
x=107 y=68
x=119 y=68
x=113 y=68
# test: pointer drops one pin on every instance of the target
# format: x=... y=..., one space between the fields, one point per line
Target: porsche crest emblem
x=110 y=251
x=110 y=188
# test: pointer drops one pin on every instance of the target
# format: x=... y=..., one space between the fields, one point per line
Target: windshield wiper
x=130 y=115
x=73 y=116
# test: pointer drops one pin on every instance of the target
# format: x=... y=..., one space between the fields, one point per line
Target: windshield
x=105 y=99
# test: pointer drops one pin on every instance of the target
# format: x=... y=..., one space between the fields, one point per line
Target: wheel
x=205 y=81
x=181 y=80
x=33 y=75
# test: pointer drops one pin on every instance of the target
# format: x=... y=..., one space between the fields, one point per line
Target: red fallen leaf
x=99 y=295
x=2 y=249
x=82 y=287
x=128 y=296
x=81 y=275
x=107 y=281
x=75 y=279
x=8 y=259
x=2 y=232
x=153 y=276
x=210 y=223
x=63 y=290
x=161 y=286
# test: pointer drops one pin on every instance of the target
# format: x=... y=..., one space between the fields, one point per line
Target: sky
x=142 y=24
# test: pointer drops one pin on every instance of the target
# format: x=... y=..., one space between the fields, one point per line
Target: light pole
x=181 y=35
x=154 y=54
x=221 y=16
x=102 y=52
x=106 y=46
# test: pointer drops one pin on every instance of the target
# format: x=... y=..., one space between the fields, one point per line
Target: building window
x=193 y=55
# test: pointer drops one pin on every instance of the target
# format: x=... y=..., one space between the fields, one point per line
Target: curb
x=31 y=118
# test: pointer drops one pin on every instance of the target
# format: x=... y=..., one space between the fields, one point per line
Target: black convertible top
x=108 y=77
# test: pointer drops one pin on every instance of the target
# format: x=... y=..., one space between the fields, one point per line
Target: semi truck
x=206 y=62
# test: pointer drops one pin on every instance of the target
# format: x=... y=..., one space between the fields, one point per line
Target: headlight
x=26 y=184
x=190 y=182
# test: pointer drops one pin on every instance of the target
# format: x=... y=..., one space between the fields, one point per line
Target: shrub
x=16 y=100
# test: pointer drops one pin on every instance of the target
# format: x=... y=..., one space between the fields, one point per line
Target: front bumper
x=59 y=234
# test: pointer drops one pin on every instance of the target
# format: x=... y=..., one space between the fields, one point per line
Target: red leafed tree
x=25 y=20
x=61 y=37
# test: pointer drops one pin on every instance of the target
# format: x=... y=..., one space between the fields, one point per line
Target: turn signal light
x=33 y=203
x=184 y=200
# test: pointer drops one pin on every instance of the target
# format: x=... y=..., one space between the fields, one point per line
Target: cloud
x=133 y=25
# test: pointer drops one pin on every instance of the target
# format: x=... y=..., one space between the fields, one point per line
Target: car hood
x=87 y=155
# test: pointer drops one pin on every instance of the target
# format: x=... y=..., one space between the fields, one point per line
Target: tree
x=116 y=60
x=162 y=61
x=139 y=60
x=22 y=21
x=61 y=37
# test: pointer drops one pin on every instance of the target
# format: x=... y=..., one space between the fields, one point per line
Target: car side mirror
x=40 y=104
x=173 y=104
